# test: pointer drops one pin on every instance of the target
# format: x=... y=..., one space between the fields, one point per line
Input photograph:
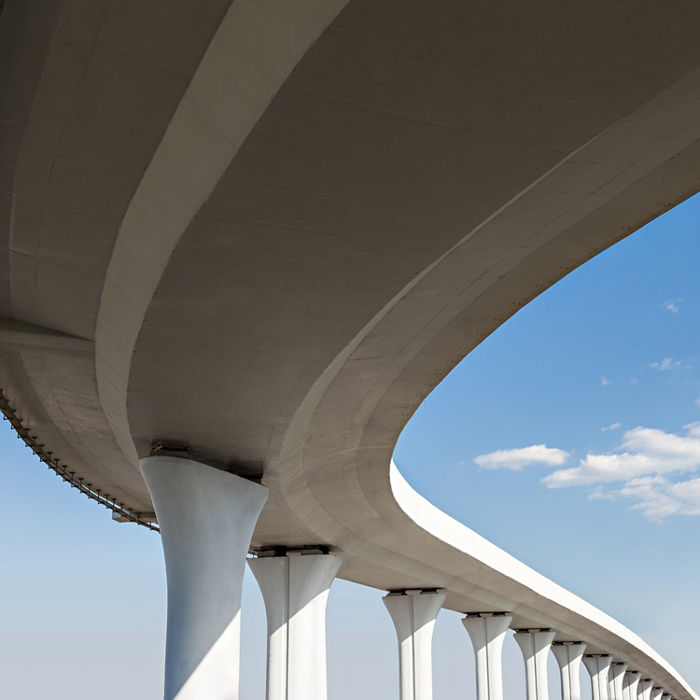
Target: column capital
x=487 y=631
x=644 y=688
x=413 y=612
x=598 y=666
x=569 y=656
x=287 y=551
x=535 y=644
x=524 y=630
x=295 y=586
x=412 y=591
x=206 y=518
x=615 y=679
x=630 y=684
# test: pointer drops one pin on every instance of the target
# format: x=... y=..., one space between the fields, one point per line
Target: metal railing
x=63 y=470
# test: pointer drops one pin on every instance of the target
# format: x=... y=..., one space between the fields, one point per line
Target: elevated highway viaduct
x=242 y=241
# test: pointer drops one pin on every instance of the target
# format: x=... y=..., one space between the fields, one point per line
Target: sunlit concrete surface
x=535 y=645
x=569 y=656
x=295 y=587
x=487 y=633
x=413 y=613
x=261 y=232
x=207 y=518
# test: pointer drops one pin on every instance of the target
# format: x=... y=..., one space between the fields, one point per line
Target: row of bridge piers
x=207 y=517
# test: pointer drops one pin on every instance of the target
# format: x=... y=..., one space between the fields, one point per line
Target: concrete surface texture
x=569 y=656
x=414 y=613
x=630 y=685
x=598 y=666
x=615 y=680
x=207 y=518
x=295 y=589
x=645 y=689
x=260 y=233
x=487 y=633
x=535 y=645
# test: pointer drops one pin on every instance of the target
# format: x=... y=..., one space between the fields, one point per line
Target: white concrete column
x=615 y=679
x=598 y=666
x=487 y=632
x=644 y=689
x=656 y=693
x=666 y=696
x=295 y=589
x=569 y=656
x=414 y=613
x=206 y=519
x=630 y=684
x=535 y=645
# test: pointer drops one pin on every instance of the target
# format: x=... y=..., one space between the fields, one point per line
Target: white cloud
x=605 y=381
x=671 y=305
x=643 y=452
x=666 y=364
x=658 y=497
x=598 y=494
x=517 y=458
x=646 y=467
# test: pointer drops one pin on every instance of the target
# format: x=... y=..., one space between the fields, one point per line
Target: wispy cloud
x=605 y=381
x=650 y=469
x=672 y=305
x=657 y=497
x=644 y=452
x=668 y=363
x=598 y=494
x=517 y=458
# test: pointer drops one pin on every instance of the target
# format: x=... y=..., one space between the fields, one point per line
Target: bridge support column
x=569 y=656
x=598 y=666
x=630 y=684
x=487 y=632
x=295 y=589
x=615 y=678
x=656 y=693
x=666 y=696
x=206 y=519
x=414 y=613
x=644 y=689
x=535 y=645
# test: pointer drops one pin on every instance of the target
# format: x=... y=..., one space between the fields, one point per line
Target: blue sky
x=609 y=356
x=601 y=374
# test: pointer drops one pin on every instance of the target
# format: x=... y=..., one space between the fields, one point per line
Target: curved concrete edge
x=235 y=82
x=355 y=521
x=453 y=533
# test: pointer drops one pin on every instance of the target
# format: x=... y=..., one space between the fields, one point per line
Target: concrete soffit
x=209 y=126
